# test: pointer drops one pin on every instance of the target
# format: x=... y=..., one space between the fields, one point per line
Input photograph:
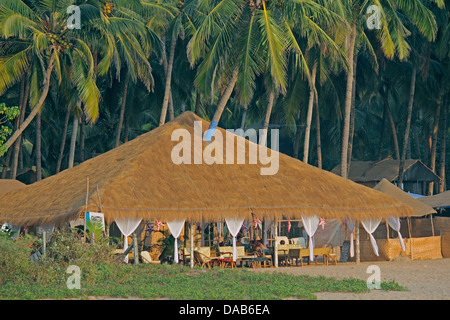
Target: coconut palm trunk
x=348 y=104
x=63 y=142
x=38 y=147
x=18 y=143
x=6 y=165
x=73 y=142
x=352 y=116
x=263 y=138
x=244 y=118
x=434 y=139
x=225 y=96
x=37 y=107
x=297 y=137
x=309 y=114
x=122 y=114
x=393 y=131
x=381 y=141
x=197 y=103
x=443 y=149
x=167 y=90
x=82 y=138
x=318 y=140
x=401 y=168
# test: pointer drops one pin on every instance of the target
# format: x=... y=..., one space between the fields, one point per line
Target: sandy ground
x=424 y=279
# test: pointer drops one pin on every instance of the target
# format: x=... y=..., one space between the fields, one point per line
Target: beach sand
x=424 y=279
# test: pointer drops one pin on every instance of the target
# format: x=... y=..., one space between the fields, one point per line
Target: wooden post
x=358 y=249
x=432 y=225
x=191 y=250
x=185 y=237
x=408 y=220
x=387 y=229
x=275 y=246
x=101 y=210
x=135 y=249
x=263 y=234
x=86 y=207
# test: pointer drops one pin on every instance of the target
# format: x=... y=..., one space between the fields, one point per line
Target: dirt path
x=424 y=279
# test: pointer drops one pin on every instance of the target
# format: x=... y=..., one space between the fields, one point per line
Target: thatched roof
x=139 y=179
x=366 y=171
x=420 y=208
x=440 y=200
x=7 y=185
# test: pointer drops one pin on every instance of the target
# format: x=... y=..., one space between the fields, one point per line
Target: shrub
x=15 y=264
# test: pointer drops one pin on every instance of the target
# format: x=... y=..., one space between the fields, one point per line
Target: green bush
x=15 y=264
x=104 y=275
x=63 y=249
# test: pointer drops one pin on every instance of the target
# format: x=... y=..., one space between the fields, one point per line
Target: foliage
x=94 y=228
x=166 y=246
x=101 y=275
x=15 y=264
x=7 y=114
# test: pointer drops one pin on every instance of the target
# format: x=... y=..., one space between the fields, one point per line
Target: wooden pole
x=387 y=229
x=85 y=211
x=358 y=249
x=275 y=246
x=432 y=225
x=101 y=210
x=408 y=220
x=135 y=249
x=185 y=237
x=191 y=250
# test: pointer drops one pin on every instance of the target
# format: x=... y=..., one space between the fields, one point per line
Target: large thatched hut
x=144 y=179
x=139 y=179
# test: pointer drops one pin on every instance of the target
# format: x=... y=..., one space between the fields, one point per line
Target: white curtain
x=370 y=225
x=234 y=225
x=310 y=224
x=351 y=228
x=394 y=223
x=268 y=223
x=175 y=227
x=127 y=227
x=220 y=227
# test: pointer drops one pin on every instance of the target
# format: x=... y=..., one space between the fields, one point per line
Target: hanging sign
x=96 y=218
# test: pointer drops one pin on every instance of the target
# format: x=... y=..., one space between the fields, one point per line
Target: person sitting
x=257 y=245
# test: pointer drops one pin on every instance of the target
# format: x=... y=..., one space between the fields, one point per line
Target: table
x=299 y=254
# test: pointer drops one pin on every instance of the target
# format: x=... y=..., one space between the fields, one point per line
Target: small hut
x=369 y=173
x=441 y=202
x=417 y=245
x=140 y=181
x=8 y=185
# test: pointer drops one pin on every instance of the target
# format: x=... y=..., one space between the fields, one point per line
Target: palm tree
x=49 y=47
x=237 y=41
x=126 y=47
x=392 y=37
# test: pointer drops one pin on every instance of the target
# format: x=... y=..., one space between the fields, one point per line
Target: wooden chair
x=186 y=253
x=147 y=258
x=226 y=252
x=332 y=256
x=263 y=259
x=201 y=259
x=227 y=262
x=227 y=256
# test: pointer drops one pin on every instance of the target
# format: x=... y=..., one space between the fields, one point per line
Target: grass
x=178 y=282
x=21 y=278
